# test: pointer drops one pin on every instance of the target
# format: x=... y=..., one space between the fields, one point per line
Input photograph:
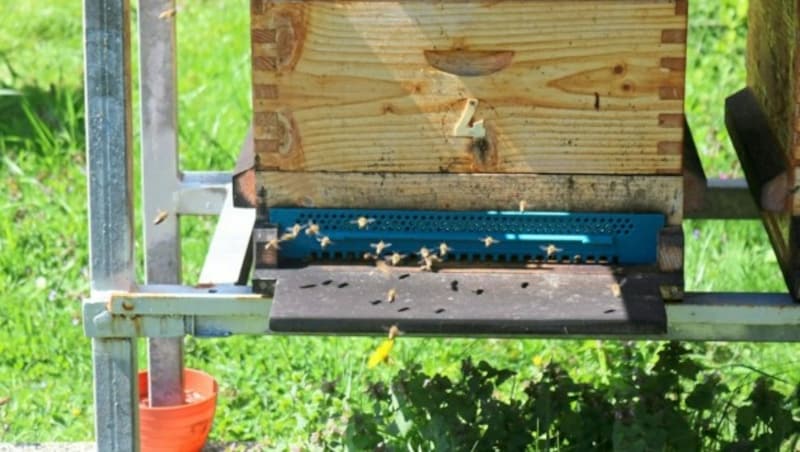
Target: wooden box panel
x=562 y=87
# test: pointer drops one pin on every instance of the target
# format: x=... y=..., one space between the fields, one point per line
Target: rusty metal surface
x=548 y=300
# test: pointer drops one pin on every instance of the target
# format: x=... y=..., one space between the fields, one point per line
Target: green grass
x=271 y=386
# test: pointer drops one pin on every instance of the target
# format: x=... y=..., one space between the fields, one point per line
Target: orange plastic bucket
x=180 y=428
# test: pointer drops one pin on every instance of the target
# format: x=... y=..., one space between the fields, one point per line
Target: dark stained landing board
x=548 y=300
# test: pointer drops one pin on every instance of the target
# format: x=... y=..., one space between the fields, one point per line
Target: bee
x=391 y=295
x=160 y=217
x=381 y=354
x=295 y=230
x=489 y=241
x=551 y=250
x=396 y=258
x=369 y=256
x=324 y=241
x=522 y=205
x=363 y=222
x=288 y=236
x=427 y=263
x=424 y=252
x=273 y=244
x=383 y=267
x=168 y=14
x=444 y=249
x=380 y=246
x=312 y=228
x=616 y=290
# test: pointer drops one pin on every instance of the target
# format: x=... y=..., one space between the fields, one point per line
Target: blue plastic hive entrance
x=627 y=239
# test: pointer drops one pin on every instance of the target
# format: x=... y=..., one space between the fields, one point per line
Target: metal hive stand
x=120 y=310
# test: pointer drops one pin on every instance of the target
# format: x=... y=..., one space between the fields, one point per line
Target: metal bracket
x=170 y=311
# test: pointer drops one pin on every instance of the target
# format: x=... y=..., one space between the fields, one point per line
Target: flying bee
x=551 y=250
x=396 y=258
x=295 y=230
x=522 y=205
x=380 y=246
x=394 y=331
x=424 y=252
x=273 y=244
x=160 y=217
x=168 y=14
x=391 y=295
x=489 y=241
x=362 y=222
x=444 y=249
x=369 y=256
x=312 y=228
x=383 y=267
x=381 y=354
x=324 y=241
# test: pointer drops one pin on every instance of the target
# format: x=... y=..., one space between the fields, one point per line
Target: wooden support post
x=765 y=165
x=694 y=178
x=767 y=171
x=670 y=249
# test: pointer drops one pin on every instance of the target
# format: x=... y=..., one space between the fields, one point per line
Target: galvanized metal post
x=160 y=183
x=108 y=130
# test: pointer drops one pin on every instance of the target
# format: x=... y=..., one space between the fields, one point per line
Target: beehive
x=568 y=105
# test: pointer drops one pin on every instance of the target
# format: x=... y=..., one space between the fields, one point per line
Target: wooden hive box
x=569 y=105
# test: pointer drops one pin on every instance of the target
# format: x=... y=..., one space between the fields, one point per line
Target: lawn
x=286 y=391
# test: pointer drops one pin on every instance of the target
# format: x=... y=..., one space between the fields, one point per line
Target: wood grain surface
x=569 y=87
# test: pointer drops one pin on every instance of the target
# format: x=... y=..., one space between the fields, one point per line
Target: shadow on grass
x=46 y=121
x=679 y=404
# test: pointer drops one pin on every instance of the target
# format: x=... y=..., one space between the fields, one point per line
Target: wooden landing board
x=576 y=193
x=548 y=300
x=562 y=86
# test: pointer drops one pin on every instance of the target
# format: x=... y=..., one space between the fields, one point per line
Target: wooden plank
x=545 y=299
x=772 y=73
x=694 y=178
x=764 y=163
x=561 y=86
x=670 y=249
x=587 y=193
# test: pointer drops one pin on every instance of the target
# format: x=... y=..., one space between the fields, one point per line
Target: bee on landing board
x=396 y=258
x=551 y=250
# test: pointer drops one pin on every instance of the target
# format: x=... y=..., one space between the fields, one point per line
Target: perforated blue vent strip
x=624 y=238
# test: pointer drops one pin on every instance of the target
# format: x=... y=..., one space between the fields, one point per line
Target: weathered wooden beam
x=767 y=172
x=694 y=178
x=670 y=249
x=577 y=193
x=244 y=174
x=765 y=165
